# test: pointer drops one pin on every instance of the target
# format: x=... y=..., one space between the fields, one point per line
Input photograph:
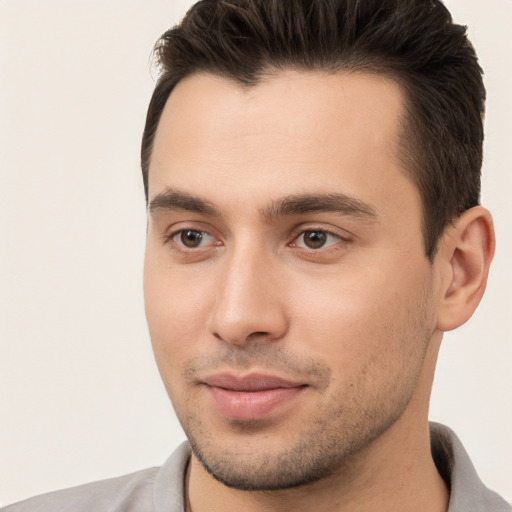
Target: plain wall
x=80 y=397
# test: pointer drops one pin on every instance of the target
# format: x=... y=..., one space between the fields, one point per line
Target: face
x=288 y=296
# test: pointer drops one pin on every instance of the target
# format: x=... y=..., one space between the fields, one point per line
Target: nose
x=250 y=305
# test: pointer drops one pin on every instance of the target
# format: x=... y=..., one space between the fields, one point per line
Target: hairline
x=407 y=141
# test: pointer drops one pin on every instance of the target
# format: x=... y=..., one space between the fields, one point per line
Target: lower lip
x=251 y=405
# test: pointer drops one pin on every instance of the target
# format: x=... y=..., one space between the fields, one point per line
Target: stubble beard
x=318 y=454
x=325 y=446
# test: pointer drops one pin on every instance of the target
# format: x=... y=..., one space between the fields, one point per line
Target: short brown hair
x=413 y=41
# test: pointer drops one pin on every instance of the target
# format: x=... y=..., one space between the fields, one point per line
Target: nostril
x=251 y=337
x=259 y=334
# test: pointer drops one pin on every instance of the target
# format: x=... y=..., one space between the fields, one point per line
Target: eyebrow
x=175 y=200
x=312 y=203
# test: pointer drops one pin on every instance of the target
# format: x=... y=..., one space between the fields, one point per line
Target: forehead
x=296 y=132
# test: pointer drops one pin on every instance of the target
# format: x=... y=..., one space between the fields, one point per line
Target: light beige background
x=80 y=398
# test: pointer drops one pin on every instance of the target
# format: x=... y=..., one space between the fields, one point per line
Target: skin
x=357 y=321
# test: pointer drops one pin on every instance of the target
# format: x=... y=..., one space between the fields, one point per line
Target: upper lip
x=250 y=382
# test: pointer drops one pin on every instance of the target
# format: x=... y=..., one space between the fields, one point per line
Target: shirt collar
x=467 y=492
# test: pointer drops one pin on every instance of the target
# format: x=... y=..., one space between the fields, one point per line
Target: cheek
x=373 y=343
x=363 y=316
x=174 y=313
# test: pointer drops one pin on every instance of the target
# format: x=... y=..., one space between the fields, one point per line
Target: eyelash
x=180 y=247
x=171 y=239
x=324 y=231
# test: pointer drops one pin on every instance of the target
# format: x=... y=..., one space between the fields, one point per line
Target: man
x=312 y=172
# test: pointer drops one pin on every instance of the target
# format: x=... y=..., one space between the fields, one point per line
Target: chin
x=270 y=462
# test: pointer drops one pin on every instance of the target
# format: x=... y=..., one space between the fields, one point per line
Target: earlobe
x=467 y=252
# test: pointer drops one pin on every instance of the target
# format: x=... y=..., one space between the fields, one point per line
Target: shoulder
x=467 y=492
x=149 y=490
x=127 y=493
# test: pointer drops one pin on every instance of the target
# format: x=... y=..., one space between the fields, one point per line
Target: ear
x=466 y=251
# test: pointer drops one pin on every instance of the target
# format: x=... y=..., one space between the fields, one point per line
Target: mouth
x=251 y=397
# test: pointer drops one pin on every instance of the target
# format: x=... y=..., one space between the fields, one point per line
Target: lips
x=250 y=397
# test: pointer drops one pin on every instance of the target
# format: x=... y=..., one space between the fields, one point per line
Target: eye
x=316 y=239
x=192 y=238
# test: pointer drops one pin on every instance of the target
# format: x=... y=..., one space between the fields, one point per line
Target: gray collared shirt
x=161 y=489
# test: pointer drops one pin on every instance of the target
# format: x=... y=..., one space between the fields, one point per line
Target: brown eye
x=314 y=239
x=191 y=238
